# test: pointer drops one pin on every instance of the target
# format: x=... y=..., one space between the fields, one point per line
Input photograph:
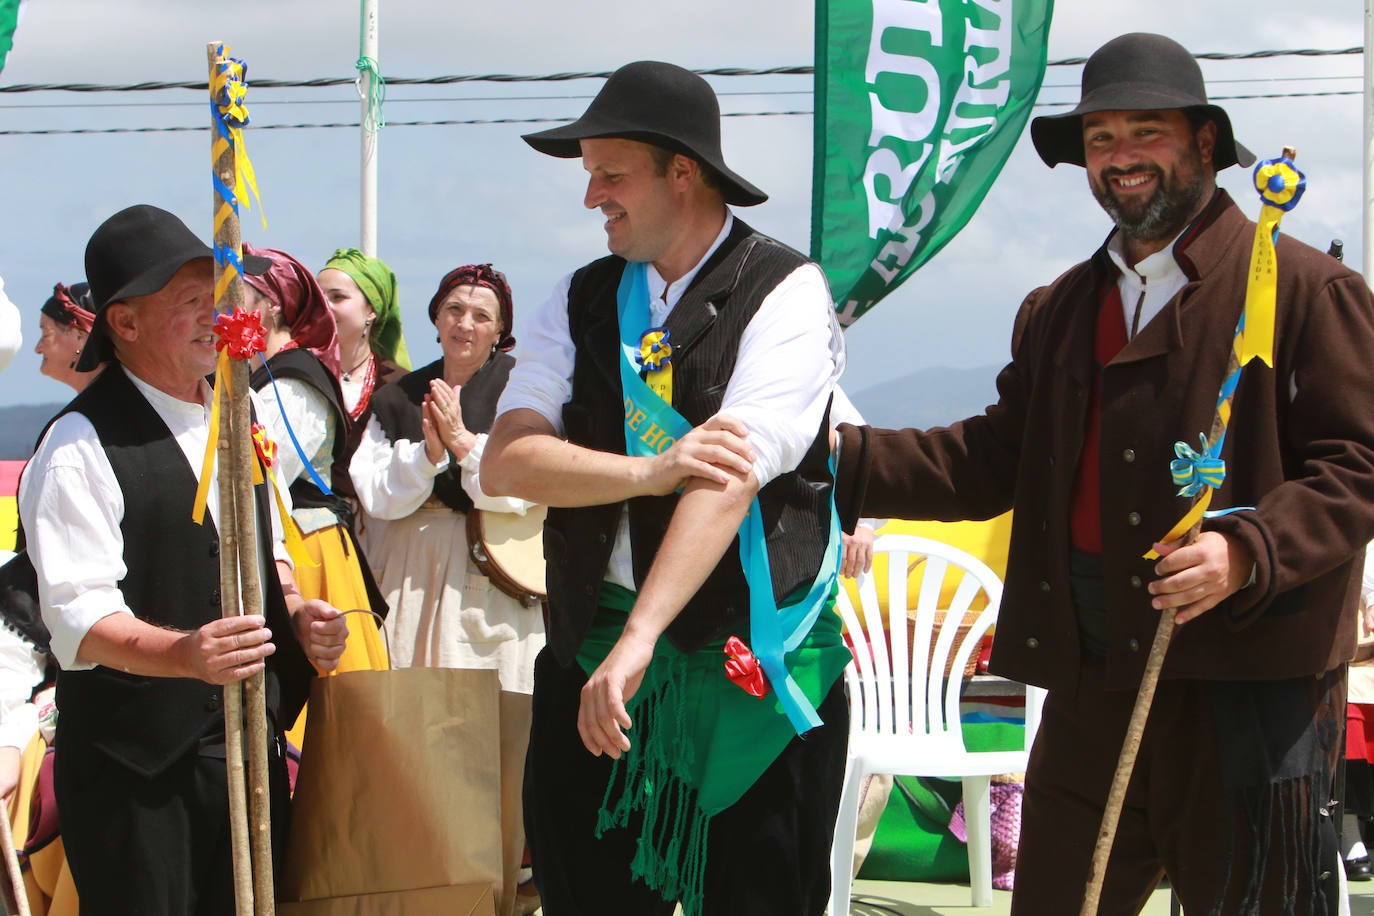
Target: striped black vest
x=705 y=329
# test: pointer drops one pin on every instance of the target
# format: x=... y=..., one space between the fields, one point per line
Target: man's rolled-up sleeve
x=790 y=355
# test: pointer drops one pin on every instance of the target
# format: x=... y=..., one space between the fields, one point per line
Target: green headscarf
x=378 y=284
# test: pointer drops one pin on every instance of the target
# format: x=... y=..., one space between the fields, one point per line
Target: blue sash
x=651 y=427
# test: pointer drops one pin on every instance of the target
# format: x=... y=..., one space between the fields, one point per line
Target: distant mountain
x=937 y=396
x=20 y=426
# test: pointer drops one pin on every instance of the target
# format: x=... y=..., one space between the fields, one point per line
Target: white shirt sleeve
x=71 y=506
x=21 y=670
x=11 y=333
x=790 y=355
x=393 y=479
x=472 y=484
x=542 y=378
x=308 y=411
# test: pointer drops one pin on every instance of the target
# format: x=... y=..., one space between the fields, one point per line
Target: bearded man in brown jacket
x=1113 y=363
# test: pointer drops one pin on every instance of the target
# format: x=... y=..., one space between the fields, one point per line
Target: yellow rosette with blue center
x=655 y=359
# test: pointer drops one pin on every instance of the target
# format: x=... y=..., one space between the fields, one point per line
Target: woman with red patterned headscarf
x=300 y=385
x=63 y=324
x=416 y=473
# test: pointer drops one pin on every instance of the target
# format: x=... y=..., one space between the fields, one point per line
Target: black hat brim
x=565 y=143
x=99 y=348
x=1059 y=138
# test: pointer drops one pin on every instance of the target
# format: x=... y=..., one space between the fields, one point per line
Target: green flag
x=9 y=19
x=918 y=105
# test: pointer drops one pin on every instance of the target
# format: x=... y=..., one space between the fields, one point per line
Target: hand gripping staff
x=1280 y=185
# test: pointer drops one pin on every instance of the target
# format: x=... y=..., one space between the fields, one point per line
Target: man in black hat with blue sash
x=1115 y=372
x=691 y=558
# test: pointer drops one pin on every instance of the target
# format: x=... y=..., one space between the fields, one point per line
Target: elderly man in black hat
x=664 y=761
x=1112 y=363
x=129 y=587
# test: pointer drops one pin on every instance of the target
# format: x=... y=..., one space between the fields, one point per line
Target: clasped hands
x=441 y=420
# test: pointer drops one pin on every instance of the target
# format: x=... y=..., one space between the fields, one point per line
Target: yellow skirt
x=338 y=579
x=47 y=879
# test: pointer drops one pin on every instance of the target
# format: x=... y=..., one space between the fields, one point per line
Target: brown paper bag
x=461 y=900
x=399 y=786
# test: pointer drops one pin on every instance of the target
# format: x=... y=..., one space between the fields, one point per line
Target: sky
x=451 y=195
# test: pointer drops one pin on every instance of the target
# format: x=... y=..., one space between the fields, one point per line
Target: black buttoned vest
x=148 y=723
x=704 y=329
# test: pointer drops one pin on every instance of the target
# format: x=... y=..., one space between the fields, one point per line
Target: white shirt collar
x=1157 y=270
x=165 y=403
x=661 y=303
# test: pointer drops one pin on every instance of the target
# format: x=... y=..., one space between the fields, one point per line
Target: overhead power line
x=490 y=121
x=800 y=70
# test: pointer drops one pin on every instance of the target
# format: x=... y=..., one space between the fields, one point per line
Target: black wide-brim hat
x=134 y=253
x=657 y=103
x=1136 y=72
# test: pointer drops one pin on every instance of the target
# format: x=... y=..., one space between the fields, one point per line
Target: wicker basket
x=970 y=667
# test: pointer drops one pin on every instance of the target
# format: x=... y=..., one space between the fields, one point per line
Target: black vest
x=397 y=408
x=705 y=329
x=148 y=723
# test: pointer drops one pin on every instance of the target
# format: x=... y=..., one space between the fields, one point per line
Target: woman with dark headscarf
x=303 y=359
x=417 y=468
x=64 y=324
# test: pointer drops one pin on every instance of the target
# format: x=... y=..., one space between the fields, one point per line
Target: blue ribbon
x=1194 y=470
x=651 y=426
x=291 y=433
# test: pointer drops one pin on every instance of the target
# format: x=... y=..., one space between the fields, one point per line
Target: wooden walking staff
x=241 y=588
x=1280 y=185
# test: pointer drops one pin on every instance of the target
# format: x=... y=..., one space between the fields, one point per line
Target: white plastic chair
x=915 y=729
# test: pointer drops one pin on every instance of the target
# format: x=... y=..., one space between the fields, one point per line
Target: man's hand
x=602 y=715
x=709 y=451
x=857 y=554
x=228 y=649
x=1196 y=578
x=322 y=631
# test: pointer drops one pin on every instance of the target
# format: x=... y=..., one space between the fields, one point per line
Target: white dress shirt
x=1148 y=285
x=71 y=506
x=309 y=414
x=790 y=355
x=11 y=335
x=393 y=479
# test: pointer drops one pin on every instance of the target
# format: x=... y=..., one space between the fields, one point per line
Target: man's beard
x=1167 y=211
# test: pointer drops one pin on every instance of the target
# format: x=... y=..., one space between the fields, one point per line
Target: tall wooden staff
x=1280 y=185
x=241 y=589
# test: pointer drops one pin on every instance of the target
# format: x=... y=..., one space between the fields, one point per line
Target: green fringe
x=651 y=778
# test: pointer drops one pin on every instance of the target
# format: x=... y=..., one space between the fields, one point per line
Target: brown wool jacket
x=1299 y=449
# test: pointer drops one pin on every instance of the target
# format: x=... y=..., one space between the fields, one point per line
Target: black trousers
x=769 y=853
x=154 y=847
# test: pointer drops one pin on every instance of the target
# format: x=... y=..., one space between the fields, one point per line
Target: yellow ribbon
x=229 y=90
x=1261 y=291
x=1188 y=521
x=295 y=543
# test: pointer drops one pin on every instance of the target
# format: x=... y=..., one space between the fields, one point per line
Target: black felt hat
x=135 y=253
x=1136 y=72
x=655 y=103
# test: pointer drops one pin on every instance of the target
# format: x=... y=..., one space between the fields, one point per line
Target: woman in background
x=64 y=323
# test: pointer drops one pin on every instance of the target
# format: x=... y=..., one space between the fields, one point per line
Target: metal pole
x=370 y=136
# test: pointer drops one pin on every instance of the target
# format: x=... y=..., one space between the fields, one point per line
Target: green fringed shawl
x=697 y=744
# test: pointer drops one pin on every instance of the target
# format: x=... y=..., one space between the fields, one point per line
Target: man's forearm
x=703 y=526
x=524 y=458
x=125 y=643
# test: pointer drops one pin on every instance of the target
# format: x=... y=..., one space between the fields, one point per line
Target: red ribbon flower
x=743 y=669
x=241 y=333
x=265 y=447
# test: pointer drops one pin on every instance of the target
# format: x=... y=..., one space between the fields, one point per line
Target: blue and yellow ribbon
x=1198 y=474
x=655 y=361
x=228 y=90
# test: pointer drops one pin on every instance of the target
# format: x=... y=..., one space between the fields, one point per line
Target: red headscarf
x=480 y=275
x=292 y=287
x=71 y=305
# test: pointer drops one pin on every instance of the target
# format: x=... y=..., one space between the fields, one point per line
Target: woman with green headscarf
x=361 y=292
